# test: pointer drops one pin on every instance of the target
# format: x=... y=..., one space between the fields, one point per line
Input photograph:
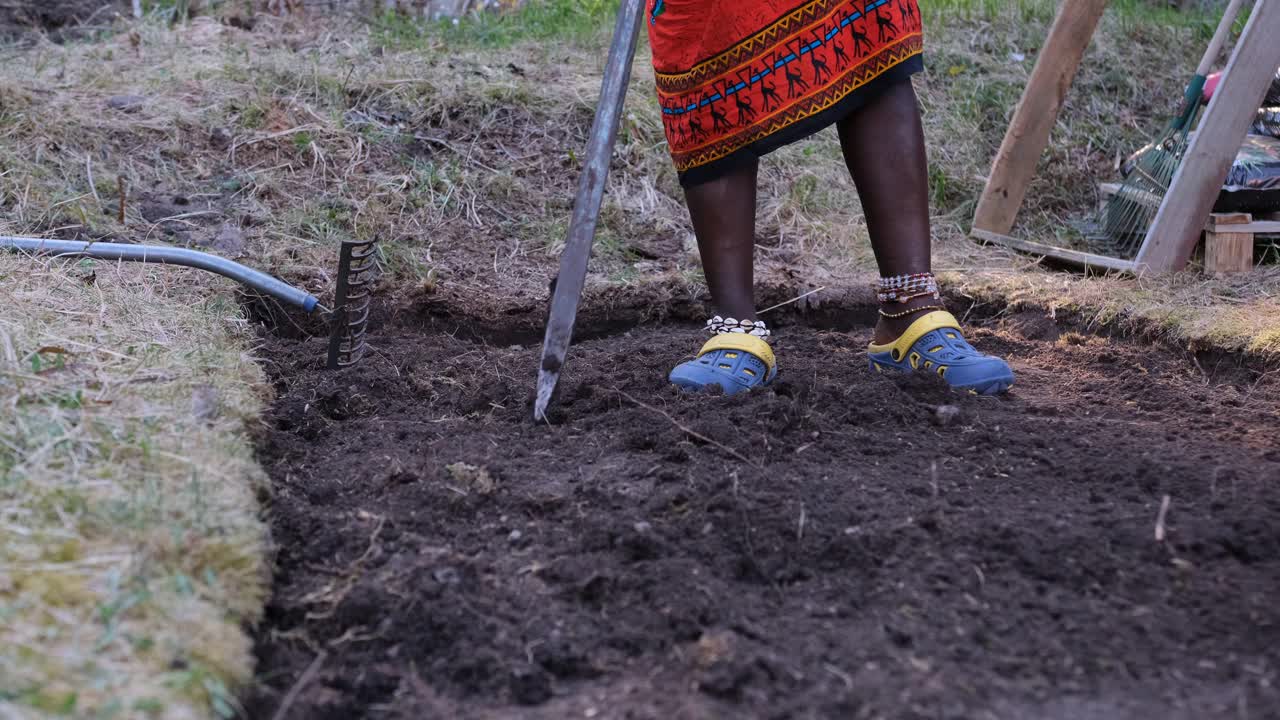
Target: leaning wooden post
x=1028 y=133
x=1195 y=187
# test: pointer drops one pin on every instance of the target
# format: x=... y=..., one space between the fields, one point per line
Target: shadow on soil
x=841 y=544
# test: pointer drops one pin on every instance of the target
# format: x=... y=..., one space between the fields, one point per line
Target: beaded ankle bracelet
x=912 y=311
x=905 y=288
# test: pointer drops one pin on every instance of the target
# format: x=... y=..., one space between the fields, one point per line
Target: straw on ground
x=131 y=553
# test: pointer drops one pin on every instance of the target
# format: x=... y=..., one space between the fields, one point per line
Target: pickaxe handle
x=586 y=209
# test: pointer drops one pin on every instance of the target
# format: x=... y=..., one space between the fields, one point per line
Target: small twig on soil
x=466 y=155
x=271 y=136
x=303 y=680
x=88 y=171
x=746 y=537
x=842 y=675
x=689 y=431
x=182 y=218
x=1262 y=377
x=353 y=635
x=6 y=344
x=1196 y=361
x=1164 y=511
x=800 y=525
x=792 y=300
x=123 y=187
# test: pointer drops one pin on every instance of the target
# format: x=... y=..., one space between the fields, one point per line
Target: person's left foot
x=933 y=343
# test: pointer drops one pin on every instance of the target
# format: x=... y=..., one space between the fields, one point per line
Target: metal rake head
x=356 y=269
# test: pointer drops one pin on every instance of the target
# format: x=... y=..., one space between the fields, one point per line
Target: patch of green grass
x=578 y=21
x=1026 y=10
x=175 y=10
x=1131 y=12
x=943 y=193
x=250 y=115
x=403 y=261
x=807 y=195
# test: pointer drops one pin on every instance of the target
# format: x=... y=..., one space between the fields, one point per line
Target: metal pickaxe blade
x=567 y=289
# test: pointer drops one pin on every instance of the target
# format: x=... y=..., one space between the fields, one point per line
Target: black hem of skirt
x=803 y=128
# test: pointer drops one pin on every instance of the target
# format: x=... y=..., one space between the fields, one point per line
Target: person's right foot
x=736 y=362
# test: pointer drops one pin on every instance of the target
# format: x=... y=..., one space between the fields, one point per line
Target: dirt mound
x=835 y=546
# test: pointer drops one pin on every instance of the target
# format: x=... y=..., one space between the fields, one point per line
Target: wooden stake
x=1198 y=181
x=1074 y=257
x=1028 y=134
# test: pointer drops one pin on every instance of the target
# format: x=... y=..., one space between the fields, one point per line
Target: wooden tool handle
x=567 y=290
x=1220 y=37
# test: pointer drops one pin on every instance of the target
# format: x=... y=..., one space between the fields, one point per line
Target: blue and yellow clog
x=734 y=361
x=933 y=343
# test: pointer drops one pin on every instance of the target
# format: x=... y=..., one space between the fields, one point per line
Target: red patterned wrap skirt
x=740 y=78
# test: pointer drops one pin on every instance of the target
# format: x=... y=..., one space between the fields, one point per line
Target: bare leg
x=883 y=144
x=724 y=219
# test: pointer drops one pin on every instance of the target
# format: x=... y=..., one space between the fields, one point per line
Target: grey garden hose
x=168 y=256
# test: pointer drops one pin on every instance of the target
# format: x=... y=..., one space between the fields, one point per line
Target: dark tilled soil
x=833 y=547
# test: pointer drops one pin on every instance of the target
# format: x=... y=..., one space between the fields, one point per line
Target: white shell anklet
x=726 y=326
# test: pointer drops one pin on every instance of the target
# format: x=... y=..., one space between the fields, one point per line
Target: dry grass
x=1238 y=315
x=460 y=147
x=131 y=554
x=131 y=551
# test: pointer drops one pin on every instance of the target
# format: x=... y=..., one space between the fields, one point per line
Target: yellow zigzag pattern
x=748 y=49
x=854 y=79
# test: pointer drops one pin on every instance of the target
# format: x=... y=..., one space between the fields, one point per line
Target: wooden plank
x=1228 y=248
x=1176 y=230
x=1232 y=219
x=1028 y=134
x=1258 y=228
x=1074 y=257
x=1241 y=223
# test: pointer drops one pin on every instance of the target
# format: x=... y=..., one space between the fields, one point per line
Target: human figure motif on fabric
x=719 y=120
x=746 y=113
x=883 y=24
x=908 y=13
x=770 y=95
x=675 y=128
x=861 y=43
x=795 y=82
x=819 y=62
x=838 y=49
x=695 y=129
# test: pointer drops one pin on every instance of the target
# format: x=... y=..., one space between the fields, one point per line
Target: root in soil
x=839 y=545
